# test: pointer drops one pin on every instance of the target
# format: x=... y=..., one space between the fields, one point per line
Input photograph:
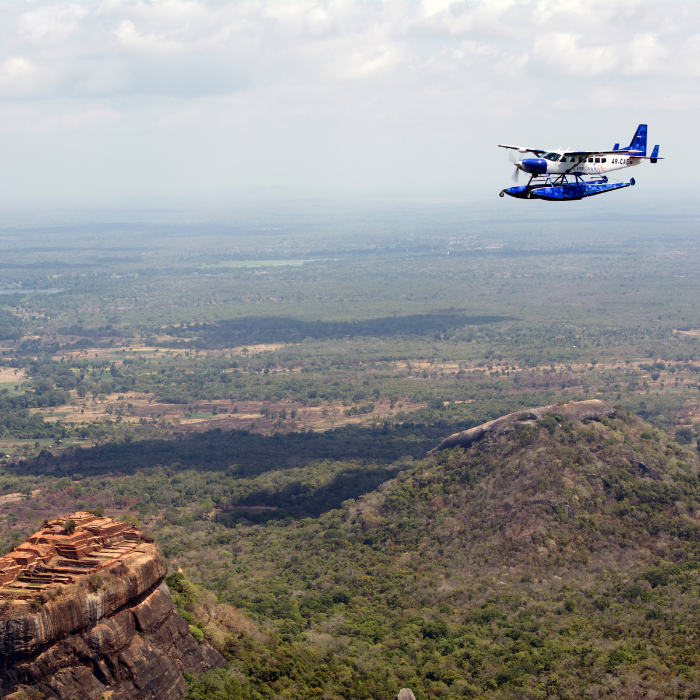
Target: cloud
x=182 y=116
x=267 y=84
x=74 y=120
x=22 y=77
x=188 y=48
x=645 y=54
x=129 y=37
x=50 y=25
x=568 y=54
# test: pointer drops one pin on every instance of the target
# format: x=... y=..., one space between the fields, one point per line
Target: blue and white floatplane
x=564 y=175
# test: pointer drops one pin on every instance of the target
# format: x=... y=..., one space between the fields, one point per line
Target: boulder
x=405 y=694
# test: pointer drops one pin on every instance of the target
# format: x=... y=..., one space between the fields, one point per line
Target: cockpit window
x=554 y=157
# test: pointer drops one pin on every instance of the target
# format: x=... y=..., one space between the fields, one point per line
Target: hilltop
x=553 y=559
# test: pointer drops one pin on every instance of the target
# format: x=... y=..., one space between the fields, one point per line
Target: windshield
x=552 y=156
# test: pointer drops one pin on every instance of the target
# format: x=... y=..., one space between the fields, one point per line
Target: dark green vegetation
x=557 y=560
x=261 y=395
x=554 y=560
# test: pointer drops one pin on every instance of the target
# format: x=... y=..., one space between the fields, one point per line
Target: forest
x=260 y=396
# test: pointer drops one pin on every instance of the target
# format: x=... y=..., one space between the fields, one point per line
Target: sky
x=113 y=99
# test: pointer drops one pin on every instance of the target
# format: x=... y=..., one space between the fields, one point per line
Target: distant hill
x=559 y=559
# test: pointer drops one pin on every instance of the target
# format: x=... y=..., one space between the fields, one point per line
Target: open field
x=244 y=397
x=9 y=375
x=227 y=413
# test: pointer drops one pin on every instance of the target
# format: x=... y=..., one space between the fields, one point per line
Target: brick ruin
x=55 y=556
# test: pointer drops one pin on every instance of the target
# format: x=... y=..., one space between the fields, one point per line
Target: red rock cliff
x=110 y=630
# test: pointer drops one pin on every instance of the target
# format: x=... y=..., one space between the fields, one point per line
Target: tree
x=69 y=526
x=685 y=434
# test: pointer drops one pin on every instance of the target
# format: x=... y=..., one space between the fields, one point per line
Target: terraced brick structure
x=64 y=550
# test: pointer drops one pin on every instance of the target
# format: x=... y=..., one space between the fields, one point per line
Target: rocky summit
x=593 y=409
x=85 y=613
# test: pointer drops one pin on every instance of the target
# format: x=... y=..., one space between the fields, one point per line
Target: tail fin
x=654 y=155
x=639 y=142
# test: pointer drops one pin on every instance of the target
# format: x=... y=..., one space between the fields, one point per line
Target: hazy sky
x=172 y=98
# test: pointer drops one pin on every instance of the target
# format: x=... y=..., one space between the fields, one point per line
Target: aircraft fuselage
x=558 y=164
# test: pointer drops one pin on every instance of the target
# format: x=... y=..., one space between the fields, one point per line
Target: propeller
x=516 y=170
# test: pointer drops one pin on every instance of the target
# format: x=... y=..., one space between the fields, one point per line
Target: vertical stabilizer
x=639 y=142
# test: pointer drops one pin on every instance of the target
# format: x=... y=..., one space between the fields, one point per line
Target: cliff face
x=111 y=634
x=141 y=651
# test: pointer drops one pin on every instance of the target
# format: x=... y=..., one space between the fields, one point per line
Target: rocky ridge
x=593 y=409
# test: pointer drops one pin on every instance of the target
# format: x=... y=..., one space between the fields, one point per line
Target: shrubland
x=545 y=562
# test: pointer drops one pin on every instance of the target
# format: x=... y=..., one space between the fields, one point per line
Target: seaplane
x=564 y=175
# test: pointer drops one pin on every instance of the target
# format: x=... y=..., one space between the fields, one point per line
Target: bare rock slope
x=405 y=694
x=100 y=625
x=593 y=409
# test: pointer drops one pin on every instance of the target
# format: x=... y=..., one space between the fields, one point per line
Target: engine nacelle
x=534 y=166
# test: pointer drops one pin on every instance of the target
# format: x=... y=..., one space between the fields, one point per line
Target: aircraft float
x=570 y=175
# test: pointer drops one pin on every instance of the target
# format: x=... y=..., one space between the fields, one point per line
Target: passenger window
x=603 y=160
x=590 y=160
x=597 y=160
x=572 y=159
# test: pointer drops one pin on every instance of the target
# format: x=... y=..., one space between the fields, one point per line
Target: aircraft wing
x=585 y=154
x=523 y=149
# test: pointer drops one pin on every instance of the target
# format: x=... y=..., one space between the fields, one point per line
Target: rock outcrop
x=101 y=624
x=405 y=694
x=593 y=409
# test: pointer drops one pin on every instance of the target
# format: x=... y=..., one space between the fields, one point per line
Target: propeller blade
x=516 y=175
x=512 y=157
